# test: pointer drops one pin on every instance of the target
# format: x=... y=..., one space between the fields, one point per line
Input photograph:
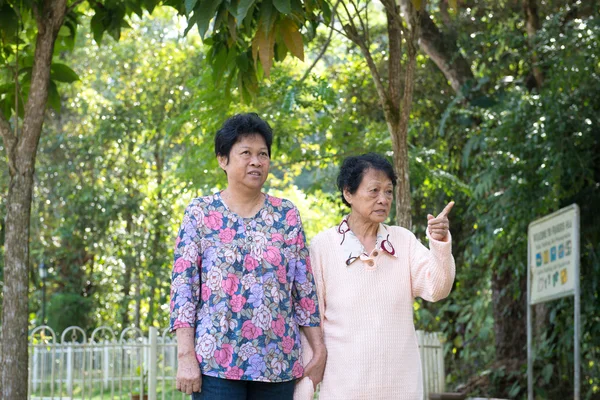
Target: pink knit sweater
x=367 y=312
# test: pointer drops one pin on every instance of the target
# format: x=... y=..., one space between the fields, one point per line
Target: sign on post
x=552 y=273
x=552 y=259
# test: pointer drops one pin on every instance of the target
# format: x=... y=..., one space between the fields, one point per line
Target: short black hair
x=353 y=170
x=238 y=126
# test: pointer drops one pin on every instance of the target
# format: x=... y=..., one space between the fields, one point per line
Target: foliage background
x=127 y=145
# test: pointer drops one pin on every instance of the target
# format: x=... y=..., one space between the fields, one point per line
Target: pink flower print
x=308 y=265
x=288 y=344
x=297 y=370
x=227 y=235
x=275 y=201
x=187 y=313
x=206 y=292
x=237 y=302
x=278 y=326
x=300 y=240
x=190 y=252
x=272 y=255
x=308 y=305
x=249 y=331
x=181 y=265
x=281 y=274
x=291 y=217
x=224 y=356
x=250 y=263
x=230 y=284
x=206 y=346
x=214 y=220
x=247 y=350
x=277 y=365
x=276 y=237
x=234 y=373
x=261 y=317
x=177 y=241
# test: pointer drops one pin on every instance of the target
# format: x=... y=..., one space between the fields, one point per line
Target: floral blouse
x=246 y=285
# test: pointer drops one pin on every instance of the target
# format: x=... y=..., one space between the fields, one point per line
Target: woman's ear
x=347 y=196
x=223 y=161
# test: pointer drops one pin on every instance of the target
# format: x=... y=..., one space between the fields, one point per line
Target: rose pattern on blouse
x=245 y=285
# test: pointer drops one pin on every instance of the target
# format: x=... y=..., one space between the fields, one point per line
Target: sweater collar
x=353 y=248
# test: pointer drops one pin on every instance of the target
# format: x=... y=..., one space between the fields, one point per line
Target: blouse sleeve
x=304 y=291
x=185 y=280
x=432 y=270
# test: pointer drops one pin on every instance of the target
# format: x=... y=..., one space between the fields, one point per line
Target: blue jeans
x=227 y=389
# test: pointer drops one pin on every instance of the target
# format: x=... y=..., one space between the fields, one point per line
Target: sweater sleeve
x=432 y=270
x=304 y=389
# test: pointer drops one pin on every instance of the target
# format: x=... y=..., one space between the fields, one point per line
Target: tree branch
x=10 y=142
x=440 y=47
x=324 y=49
x=363 y=26
x=50 y=18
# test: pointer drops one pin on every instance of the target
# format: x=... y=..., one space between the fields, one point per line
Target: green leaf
x=283 y=6
x=136 y=8
x=206 y=10
x=9 y=22
x=242 y=10
x=64 y=31
x=63 y=73
x=267 y=17
x=98 y=24
x=547 y=372
x=189 y=6
x=53 y=96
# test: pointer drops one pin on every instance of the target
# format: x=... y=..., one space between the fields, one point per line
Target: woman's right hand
x=189 y=378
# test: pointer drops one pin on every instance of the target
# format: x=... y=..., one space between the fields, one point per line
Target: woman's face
x=248 y=162
x=373 y=198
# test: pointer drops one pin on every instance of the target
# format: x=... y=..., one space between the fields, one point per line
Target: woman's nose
x=383 y=198
x=255 y=160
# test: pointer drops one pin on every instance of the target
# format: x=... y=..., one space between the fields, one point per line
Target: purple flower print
x=257 y=295
x=257 y=366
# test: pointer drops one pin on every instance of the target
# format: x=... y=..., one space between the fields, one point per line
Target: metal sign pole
x=576 y=339
x=529 y=333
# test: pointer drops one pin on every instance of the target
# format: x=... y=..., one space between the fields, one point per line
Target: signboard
x=552 y=255
x=553 y=272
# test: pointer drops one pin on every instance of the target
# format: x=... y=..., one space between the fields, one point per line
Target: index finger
x=446 y=209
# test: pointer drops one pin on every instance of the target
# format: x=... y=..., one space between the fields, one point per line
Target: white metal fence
x=107 y=366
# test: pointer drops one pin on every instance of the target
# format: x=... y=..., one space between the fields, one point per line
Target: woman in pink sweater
x=368 y=275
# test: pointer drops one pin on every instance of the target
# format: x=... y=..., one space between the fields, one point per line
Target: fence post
x=70 y=370
x=152 y=363
x=105 y=364
x=421 y=343
x=440 y=359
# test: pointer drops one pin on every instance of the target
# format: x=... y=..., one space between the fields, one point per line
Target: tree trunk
x=15 y=310
x=533 y=25
x=509 y=314
x=21 y=160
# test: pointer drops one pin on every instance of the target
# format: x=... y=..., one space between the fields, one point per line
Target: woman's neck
x=365 y=231
x=244 y=203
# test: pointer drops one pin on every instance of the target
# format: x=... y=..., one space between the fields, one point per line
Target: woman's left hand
x=439 y=226
x=316 y=367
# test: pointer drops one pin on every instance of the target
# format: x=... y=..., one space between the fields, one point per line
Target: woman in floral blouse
x=242 y=283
